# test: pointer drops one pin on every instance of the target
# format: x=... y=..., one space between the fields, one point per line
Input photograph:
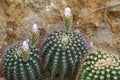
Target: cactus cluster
x=62 y=50
x=18 y=65
x=100 y=66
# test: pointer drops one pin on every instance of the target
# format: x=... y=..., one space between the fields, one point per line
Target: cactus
x=100 y=66
x=62 y=50
x=21 y=62
x=35 y=35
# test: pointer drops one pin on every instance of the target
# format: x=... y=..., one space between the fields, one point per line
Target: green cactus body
x=15 y=68
x=62 y=51
x=100 y=66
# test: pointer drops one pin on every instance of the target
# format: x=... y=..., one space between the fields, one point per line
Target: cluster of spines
x=15 y=68
x=62 y=51
x=100 y=66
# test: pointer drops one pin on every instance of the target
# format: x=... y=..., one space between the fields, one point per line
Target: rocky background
x=18 y=16
x=102 y=31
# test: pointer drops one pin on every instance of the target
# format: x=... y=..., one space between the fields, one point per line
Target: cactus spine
x=100 y=66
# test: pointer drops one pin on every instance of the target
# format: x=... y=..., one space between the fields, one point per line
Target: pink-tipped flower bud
x=67 y=12
x=35 y=28
x=25 y=46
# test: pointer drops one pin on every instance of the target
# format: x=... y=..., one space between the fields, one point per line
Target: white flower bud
x=25 y=46
x=35 y=28
x=67 y=12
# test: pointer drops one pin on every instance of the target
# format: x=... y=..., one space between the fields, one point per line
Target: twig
x=102 y=8
x=105 y=10
x=113 y=5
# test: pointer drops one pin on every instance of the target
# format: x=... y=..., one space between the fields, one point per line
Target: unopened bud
x=25 y=46
x=35 y=28
x=67 y=12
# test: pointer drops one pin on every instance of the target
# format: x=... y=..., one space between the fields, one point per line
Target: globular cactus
x=100 y=66
x=62 y=50
x=20 y=62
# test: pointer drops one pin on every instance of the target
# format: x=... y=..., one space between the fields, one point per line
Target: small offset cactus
x=62 y=50
x=100 y=66
x=20 y=62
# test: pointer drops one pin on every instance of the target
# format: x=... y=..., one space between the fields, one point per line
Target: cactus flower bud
x=67 y=12
x=25 y=46
x=25 y=51
x=35 y=35
x=35 y=28
x=68 y=19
